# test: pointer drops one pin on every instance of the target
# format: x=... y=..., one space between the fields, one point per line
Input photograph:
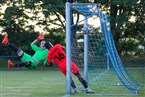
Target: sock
x=13 y=47
x=21 y=64
x=81 y=79
x=72 y=83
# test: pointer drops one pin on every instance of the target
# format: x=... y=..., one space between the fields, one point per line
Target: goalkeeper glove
x=40 y=37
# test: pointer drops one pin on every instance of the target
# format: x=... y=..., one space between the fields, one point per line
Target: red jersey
x=57 y=54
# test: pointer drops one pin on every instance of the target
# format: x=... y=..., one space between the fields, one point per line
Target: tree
x=48 y=14
x=123 y=27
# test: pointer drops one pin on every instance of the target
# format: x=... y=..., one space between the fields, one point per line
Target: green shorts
x=27 y=57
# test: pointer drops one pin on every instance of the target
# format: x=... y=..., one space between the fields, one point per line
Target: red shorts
x=74 y=68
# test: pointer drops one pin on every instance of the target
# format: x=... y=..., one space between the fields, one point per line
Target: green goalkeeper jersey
x=39 y=56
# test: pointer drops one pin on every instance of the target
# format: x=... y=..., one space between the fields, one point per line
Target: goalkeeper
x=28 y=61
x=57 y=54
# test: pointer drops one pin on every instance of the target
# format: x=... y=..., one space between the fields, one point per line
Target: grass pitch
x=45 y=83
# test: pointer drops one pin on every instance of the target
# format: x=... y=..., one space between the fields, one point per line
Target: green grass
x=32 y=84
x=45 y=83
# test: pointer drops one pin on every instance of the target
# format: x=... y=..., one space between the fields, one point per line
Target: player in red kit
x=57 y=54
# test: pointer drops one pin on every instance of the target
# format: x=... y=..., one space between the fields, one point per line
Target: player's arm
x=63 y=47
x=50 y=64
x=49 y=59
x=34 y=46
x=34 y=41
x=40 y=37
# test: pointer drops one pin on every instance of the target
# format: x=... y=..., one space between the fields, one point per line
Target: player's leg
x=28 y=64
x=84 y=83
x=75 y=71
x=26 y=59
x=63 y=70
x=5 y=39
x=73 y=86
x=81 y=79
x=6 y=42
x=20 y=64
x=16 y=49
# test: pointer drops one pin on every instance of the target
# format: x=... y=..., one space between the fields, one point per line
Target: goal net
x=94 y=51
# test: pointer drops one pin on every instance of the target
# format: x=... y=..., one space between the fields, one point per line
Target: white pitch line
x=16 y=94
x=23 y=88
x=18 y=88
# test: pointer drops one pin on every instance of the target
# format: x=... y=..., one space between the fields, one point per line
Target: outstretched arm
x=34 y=41
x=50 y=64
x=40 y=37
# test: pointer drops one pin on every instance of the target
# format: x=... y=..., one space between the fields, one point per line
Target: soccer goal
x=94 y=51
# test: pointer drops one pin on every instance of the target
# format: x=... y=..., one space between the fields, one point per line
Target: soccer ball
x=118 y=84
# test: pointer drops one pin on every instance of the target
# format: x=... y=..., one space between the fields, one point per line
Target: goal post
x=85 y=30
x=68 y=46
